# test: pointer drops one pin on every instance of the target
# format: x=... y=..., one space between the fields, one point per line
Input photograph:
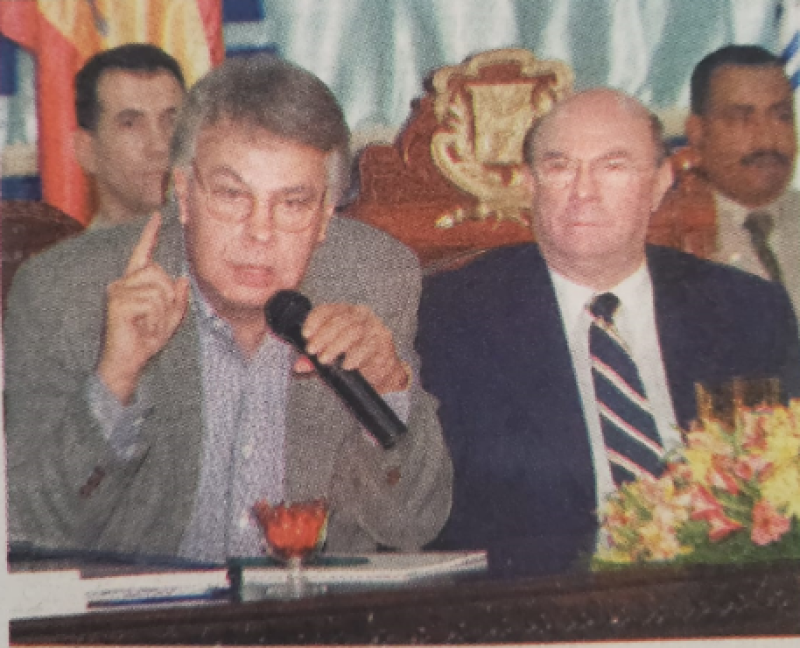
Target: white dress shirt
x=636 y=324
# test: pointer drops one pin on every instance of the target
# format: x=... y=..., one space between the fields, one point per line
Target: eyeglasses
x=562 y=172
x=230 y=201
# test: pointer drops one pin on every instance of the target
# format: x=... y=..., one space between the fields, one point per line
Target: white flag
x=789 y=39
x=789 y=44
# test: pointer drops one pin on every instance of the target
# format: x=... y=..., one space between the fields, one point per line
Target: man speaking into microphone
x=149 y=404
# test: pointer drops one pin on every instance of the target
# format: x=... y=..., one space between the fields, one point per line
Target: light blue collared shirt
x=244 y=414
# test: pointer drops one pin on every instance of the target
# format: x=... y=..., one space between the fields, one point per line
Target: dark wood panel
x=643 y=604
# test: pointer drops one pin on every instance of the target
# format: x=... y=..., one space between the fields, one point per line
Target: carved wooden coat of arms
x=451 y=183
x=484 y=108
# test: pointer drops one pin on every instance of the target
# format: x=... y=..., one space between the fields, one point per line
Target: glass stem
x=294 y=577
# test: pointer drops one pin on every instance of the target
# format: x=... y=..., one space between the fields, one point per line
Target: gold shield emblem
x=484 y=107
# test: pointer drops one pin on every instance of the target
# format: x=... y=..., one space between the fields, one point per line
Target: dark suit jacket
x=494 y=352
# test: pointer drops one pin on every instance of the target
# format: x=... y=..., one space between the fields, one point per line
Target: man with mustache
x=742 y=127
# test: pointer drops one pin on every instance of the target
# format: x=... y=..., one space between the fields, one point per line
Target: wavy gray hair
x=266 y=92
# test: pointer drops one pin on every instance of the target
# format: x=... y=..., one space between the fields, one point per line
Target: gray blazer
x=67 y=488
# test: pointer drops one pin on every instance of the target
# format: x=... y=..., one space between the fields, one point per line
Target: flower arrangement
x=731 y=495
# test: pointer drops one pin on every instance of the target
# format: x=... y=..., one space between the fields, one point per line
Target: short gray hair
x=266 y=92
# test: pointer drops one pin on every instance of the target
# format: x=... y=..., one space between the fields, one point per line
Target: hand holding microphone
x=331 y=334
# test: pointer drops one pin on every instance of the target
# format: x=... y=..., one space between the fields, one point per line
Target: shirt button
x=244 y=520
x=247 y=450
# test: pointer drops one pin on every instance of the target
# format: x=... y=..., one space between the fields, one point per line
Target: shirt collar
x=210 y=324
x=738 y=212
x=573 y=298
x=206 y=317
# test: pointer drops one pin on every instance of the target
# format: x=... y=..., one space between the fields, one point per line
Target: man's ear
x=180 y=185
x=83 y=145
x=695 y=130
x=330 y=209
x=664 y=180
x=528 y=180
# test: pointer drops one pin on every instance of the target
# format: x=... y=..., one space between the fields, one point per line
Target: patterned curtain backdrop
x=63 y=34
x=375 y=53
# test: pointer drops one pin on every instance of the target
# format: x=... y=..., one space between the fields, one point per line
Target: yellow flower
x=612 y=554
x=780 y=422
x=699 y=461
x=660 y=541
x=782 y=449
x=782 y=489
x=716 y=470
x=703 y=445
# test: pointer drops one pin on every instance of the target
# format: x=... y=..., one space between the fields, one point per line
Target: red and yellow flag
x=63 y=34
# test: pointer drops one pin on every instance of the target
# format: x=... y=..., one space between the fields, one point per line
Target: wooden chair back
x=29 y=227
x=450 y=186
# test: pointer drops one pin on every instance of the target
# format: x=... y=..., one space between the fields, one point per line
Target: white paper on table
x=380 y=568
x=130 y=589
x=45 y=593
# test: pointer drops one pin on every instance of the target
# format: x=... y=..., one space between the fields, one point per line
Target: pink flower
x=679 y=471
x=721 y=526
x=704 y=504
x=618 y=517
x=755 y=436
x=719 y=475
x=750 y=466
x=768 y=524
x=650 y=491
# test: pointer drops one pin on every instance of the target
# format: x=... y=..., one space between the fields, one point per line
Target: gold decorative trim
x=482 y=125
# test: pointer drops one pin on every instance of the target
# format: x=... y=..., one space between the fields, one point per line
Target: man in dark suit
x=148 y=404
x=506 y=342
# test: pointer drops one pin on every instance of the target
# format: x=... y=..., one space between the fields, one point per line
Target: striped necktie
x=631 y=438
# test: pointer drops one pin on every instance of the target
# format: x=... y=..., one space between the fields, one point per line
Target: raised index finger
x=143 y=250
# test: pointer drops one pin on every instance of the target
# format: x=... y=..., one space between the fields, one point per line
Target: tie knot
x=604 y=306
x=759 y=224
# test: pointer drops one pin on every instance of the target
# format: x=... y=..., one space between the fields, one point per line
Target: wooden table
x=639 y=604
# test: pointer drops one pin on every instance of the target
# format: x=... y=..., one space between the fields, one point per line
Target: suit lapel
x=174 y=381
x=315 y=419
x=544 y=383
x=691 y=330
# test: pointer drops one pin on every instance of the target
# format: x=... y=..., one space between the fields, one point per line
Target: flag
x=789 y=39
x=63 y=34
x=789 y=44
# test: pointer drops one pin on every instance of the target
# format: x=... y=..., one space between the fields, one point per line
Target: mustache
x=765 y=155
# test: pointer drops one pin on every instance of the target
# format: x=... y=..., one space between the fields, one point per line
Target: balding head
x=605 y=98
x=597 y=173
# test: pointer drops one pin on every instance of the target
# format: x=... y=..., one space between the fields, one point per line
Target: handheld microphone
x=285 y=312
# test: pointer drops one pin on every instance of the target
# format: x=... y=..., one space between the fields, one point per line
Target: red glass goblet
x=294 y=532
